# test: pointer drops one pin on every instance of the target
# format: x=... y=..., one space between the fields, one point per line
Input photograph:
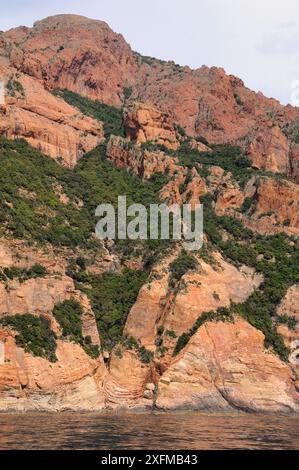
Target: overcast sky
x=257 y=40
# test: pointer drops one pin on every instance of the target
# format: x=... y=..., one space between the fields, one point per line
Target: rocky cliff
x=86 y=325
x=86 y=56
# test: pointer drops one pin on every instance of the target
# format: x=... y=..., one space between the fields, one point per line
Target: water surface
x=147 y=431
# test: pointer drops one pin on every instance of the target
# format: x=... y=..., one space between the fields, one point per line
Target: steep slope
x=142 y=324
x=86 y=56
x=45 y=121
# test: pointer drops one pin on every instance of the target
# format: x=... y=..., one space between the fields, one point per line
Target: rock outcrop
x=47 y=122
x=125 y=384
x=270 y=150
x=213 y=286
x=145 y=123
x=73 y=52
x=39 y=296
x=140 y=161
x=275 y=207
x=288 y=310
x=225 y=367
x=33 y=383
x=274 y=202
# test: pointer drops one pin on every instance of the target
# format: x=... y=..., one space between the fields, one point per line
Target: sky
x=256 y=40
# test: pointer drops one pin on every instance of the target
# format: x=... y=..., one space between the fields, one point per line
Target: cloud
x=283 y=40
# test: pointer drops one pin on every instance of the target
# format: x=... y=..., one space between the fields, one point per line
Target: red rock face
x=69 y=51
x=270 y=150
x=225 y=365
x=139 y=161
x=48 y=123
x=86 y=56
x=145 y=123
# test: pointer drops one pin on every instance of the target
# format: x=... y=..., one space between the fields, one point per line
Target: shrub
x=109 y=115
x=37 y=270
x=222 y=314
x=180 y=130
x=128 y=92
x=246 y=204
x=69 y=316
x=112 y=295
x=14 y=87
x=291 y=321
x=180 y=266
x=34 y=334
x=171 y=334
x=144 y=354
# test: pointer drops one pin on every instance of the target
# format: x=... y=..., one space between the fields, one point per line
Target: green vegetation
x=34 y=335
x=109 y=115
x=37 y=270
x=183 y=187
x=112 y=295
x=289 y=320
x=260 y=308
x=222 y=314
x=247 y=204
x=45 y=218
x=69 y=316
x=144 y=354
x=180 y=130
x=228 y=157
x=180 y=266
x=14 y=88
x=171 y=334
x=128 y=92
x=291 y=130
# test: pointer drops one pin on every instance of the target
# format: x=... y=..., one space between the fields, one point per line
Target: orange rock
x=33 y=383
x=124 y=386
x=230 y=197
x=139 y=161
x=145 y=123
x=276 y=207
x=225 y=366
x=73 y=52
x=39 y=296
x=270 y=150
x=289 y=307
x=101 y=65
x=203 y=291
x=49 y=124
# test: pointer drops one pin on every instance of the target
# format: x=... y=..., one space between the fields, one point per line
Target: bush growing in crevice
x=144 y=354
x=222 y=314
x=180 y=266
x=14 y=88
x=112 y=295
x=37 y=270
x=69 y=316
